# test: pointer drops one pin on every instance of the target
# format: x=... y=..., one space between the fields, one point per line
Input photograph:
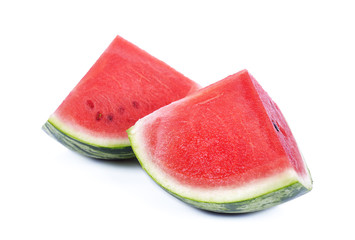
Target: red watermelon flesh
x=125 y=84
x=284 y=133
x=228 y=142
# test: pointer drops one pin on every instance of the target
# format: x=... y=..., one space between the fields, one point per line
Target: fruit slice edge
x=87 y=149
x=261 y=195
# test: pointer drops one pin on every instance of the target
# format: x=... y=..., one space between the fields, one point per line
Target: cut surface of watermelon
x=225 y=148
x=125 y=84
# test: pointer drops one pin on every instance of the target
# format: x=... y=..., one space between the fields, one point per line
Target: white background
x=302 y=53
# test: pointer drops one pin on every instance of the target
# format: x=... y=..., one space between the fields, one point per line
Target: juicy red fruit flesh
x=232 y=144
x=284 y=135
x=124 y=85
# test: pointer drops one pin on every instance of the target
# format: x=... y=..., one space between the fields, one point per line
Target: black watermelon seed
x=276 y=127
x=135 y=104
x=110 y=117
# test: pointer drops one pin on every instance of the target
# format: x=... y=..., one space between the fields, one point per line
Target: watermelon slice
x=225 y=148
x=125 y=84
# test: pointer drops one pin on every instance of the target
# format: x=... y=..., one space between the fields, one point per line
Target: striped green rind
x=263 y=201
x=99 y=152
x=258 y=203
x=250 y=205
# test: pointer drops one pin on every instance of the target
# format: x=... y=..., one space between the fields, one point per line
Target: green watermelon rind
x=263 y=201
x=258 y=203
x=88 y=149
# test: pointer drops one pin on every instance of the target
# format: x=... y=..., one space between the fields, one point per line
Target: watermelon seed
x=135 y=104
x=276 y=127
x=110 y=117
x=90 y=104
x=121 y=110
x=98 y=116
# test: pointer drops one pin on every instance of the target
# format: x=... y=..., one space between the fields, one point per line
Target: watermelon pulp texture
x=125 y=84
x=225 y=148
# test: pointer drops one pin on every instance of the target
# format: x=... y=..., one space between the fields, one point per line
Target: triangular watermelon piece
x=225 y=148
x=125 y=84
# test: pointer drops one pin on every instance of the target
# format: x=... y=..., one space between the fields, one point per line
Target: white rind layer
x=85 y=136
x=216 y=195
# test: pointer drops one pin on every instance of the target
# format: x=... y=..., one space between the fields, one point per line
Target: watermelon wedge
x=125 y=84
x=225 y=148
